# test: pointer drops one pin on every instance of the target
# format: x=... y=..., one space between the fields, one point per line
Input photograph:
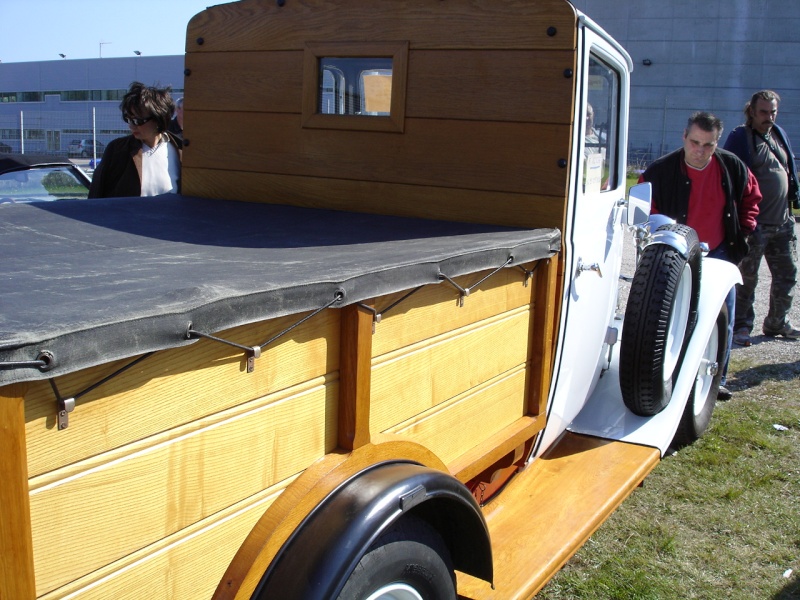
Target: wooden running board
x=551 y=508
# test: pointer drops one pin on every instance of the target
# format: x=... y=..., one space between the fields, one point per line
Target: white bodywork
x=585 y=396
x=606 y=416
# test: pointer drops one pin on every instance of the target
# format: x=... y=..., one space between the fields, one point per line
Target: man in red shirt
x=713 y=192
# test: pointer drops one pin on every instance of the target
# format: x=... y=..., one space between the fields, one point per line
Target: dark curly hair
x=149 y=100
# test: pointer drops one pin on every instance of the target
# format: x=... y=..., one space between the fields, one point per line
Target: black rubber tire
x=409 y=552
x=703 y=397
x=650 y=353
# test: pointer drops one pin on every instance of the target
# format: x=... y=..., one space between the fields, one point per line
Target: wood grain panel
x=246 y=82
x=507 y=157
x=16 y=549
x=174 y=387
x=355 y=374
x=188 y=564
x=434 y=309
x=549 y=282
x=170 y=485
x=499 y=85
x=263 y=25
x=449 y=204
x=414 y=379
x=437 y=84
x=454 y=427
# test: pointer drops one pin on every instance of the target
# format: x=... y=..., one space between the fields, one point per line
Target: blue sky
x=42 y=29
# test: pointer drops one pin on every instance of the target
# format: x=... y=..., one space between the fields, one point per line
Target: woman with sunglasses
x=148 y=161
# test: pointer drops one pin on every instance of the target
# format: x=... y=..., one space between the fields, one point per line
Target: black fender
x=317 y=559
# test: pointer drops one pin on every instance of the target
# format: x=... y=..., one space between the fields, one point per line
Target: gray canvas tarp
x=93 y=281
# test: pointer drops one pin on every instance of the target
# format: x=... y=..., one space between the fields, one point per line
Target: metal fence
x=60 y=132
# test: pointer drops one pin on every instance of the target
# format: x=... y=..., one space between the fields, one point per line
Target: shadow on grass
x=754 y=376
x=790 y=592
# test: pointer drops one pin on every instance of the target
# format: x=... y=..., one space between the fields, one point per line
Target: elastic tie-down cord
x=463 y=292
x=254 y=352
x=67 y=405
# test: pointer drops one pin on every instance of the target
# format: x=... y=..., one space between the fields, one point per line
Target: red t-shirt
x=707 y=203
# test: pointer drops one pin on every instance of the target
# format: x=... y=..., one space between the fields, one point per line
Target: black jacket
x=672 y=186
x=119 y=174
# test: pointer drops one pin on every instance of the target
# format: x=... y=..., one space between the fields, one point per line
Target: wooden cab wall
x=480 y=122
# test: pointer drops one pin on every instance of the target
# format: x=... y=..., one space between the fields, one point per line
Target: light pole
x=101 y=48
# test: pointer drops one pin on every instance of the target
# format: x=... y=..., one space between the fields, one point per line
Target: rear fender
x=317 y=559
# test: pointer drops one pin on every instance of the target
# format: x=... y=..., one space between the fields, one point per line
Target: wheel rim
x=706 y=372
x=395 y=591
x=676 y=330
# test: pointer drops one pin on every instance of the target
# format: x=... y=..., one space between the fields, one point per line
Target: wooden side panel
x=272 y=82
x=16 y=548
x=521 y=158
x=411 y=380
x=522 y=210
x=170 y=484
x=454 y=427
x=188 y=564
x=485 y=131
x=173 y=388
x=259 y=25
x=435 y=310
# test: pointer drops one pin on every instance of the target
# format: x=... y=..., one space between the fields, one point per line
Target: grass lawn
x=719 y=519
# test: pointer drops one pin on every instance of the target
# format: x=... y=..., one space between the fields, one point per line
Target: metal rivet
x=562 y=163
x=200 y=41
x=185 y=141
x=281 y=2
x=568 y=73
x=187 y=72
x=551 y=31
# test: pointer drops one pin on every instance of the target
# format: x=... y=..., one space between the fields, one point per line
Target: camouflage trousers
x=778 y=244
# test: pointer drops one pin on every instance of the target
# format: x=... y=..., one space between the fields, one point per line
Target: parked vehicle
x=38 y=178
x=372 y=350
x=85 y=148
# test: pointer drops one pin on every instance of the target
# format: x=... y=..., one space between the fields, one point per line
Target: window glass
x=601 y=126
x=355 y=86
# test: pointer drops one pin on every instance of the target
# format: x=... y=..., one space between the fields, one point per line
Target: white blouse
x=161 y=167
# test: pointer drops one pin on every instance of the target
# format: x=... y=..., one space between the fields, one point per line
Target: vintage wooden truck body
x=381 y=317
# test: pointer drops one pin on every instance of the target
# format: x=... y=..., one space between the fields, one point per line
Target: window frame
x=314 y=52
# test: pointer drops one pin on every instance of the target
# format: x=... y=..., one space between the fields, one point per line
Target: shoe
x=789 y=332
x=741 y=337
x=724 y=393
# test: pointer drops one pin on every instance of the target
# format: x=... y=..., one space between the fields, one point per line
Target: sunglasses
x=135 y=121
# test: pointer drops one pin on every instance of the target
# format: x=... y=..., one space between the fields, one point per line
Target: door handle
x=594 y=267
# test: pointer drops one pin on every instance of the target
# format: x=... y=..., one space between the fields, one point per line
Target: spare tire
x=659 y=319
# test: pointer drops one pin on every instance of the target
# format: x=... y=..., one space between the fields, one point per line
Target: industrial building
x=46 y=105
x=687 y=56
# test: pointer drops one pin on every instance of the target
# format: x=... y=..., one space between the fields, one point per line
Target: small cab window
x=355 y=86
x=601 y=126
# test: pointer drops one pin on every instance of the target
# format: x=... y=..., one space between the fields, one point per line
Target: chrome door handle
x=595 y=267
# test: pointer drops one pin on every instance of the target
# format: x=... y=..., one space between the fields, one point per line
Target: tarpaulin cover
x=91 y=281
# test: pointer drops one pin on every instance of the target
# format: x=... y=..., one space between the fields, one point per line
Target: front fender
x=718 y=277
x=316 y=561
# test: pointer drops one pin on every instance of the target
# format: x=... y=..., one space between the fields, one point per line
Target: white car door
x=595 y=230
